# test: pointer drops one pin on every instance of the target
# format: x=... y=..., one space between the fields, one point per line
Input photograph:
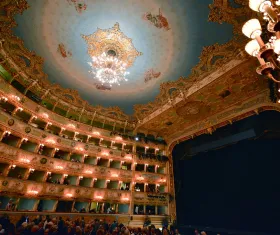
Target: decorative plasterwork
x=26 y=67
x=113 y=39
x=251 y=107
x=238 y=84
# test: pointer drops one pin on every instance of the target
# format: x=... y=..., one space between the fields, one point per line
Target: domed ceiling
x=160 y=40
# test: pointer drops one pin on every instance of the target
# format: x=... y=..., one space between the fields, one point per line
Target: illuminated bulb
x=277 y=46
x=69 y=195
x=257 y=5
x=252 y=48
x=252 y=28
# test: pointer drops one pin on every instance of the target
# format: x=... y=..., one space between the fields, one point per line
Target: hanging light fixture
x=108 y=70
x=268 y=53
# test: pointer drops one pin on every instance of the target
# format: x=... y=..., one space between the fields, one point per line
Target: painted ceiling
x=169 y=36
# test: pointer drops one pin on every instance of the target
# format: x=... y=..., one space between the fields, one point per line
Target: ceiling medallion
x=112 y=52
x=112 y=42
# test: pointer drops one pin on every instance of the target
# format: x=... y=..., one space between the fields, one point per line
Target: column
x=103 y=123
x=124 y=126
x=53 y=108
x=106 y=183
x=26 y=174
x=123 y=144
x=144 y=207
x=48 y=124
x=134 y=148
x=109 y=163
x=68 y=156
x=6 y=171
x=29 y=86
x=20 y=142
x=73 y=206
x=89 y=206
x=61 y=130
x=92 y=183
x=67 y=111
x=36 y=205
x=112 y=142
x=45 y=176
x=145 y=167
x=114 y=127
x=15 y=110
x=93 y=118
x=2 y=135
x=145 y=187
x=55 y=206
x=31 y=119
x=81 y=114
x=88 y=137
x=156 y=209
x=78 y=181
x=45 y=94
x=102 y=207
x=54 y=151
x=117 y=208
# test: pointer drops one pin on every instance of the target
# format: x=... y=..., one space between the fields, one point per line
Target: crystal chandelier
x=268 y=54
x=107 y=69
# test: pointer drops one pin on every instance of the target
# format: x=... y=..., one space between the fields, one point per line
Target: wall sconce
x=146 y=147
x=13 y=167
x=105 y=154
x=24 y=139
x=56 y=149
x=7 y=133
x=115 y=175
x=62 y=129
x=59 y=167
x=15 y=97
x=108 y=180
x=49 y=173
x=49 y=123
x=19 y=109
x=69 y=195
x=118 y=138
x=88 y=172
x=5 y=99
x=81 y=177
x=31 y=170
x=95 y=179
x=25 y=160
x=71 y=125
x=45 y=115
x=34 y=192
x=125 y=198
x=96 y=133
x=98 y=197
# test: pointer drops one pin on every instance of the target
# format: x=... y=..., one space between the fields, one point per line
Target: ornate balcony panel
x=150 y=178
x=26 y=130
x=151 y=198
x=19 y=157
x=30 y=189
x=6 y=90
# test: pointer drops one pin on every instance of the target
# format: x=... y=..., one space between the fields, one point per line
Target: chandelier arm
x=272 y=78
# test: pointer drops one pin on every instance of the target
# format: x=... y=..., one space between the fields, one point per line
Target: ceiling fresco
x=161 y=40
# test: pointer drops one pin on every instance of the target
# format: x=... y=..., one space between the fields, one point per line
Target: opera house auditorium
x=139 y=117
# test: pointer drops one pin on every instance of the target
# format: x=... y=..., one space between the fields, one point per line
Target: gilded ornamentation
x=112 y=40
x=158 y=20
x=11 y=122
